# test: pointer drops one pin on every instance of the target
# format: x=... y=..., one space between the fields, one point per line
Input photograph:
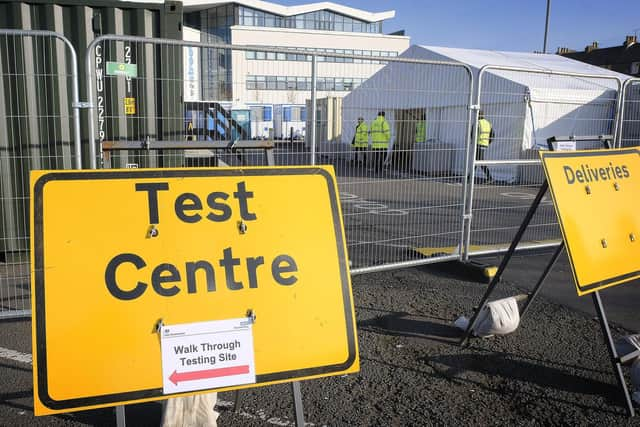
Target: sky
x=508 y=25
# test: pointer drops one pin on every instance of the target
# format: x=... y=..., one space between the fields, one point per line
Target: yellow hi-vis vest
x=421 y=131
x=362 y=136
x=380 y=133
x=484 y=132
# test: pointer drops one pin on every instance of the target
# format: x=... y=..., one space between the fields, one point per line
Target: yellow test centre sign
x=596 y=196
x=115 y=252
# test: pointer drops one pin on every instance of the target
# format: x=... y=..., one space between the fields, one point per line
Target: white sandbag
x=190 y=411
x=498 y=317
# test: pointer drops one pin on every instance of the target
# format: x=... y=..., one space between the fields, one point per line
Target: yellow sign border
x=602 y=284
x=39 y=308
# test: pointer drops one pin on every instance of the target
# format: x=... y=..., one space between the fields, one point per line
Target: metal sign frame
x=616 y=360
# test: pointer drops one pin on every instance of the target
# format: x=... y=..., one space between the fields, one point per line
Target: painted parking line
x=16 y=356
x=261 y=415
x=363 y=206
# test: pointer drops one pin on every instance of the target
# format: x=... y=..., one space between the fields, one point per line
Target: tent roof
x=477 y=58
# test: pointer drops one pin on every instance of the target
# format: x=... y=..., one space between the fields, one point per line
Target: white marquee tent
x=525 y=108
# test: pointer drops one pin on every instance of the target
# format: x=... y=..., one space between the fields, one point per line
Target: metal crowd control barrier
x=629 y=134
x=394 y=201
x=524 y=106
x=39 y=129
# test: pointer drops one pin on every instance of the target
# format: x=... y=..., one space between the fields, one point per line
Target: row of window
x=320 y=20
x=297 y=56
x=291 y=113
x=302 y=83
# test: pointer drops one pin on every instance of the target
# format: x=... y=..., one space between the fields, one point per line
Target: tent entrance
x=406 y=121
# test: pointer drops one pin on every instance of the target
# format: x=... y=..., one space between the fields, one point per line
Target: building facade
x=276 y=85
x=623 y=59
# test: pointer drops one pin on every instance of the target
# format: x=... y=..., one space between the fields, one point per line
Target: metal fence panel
x=39 y=129
x=525 y=107
x=630 y=123
x=413 y=200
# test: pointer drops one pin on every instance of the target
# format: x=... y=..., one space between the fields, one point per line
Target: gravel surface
x=554 y=370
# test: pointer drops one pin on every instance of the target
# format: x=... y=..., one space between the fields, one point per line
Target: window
x=329 y=83
x=250 y=54
x=251 y=82
x=268 y=113
x=281 y=83
x=259 y=18
x=348 y=52
x=261 y=113
x=260 y=83
x=271 y=82
x=271 y=56
x=301 y=84
x=269 y=20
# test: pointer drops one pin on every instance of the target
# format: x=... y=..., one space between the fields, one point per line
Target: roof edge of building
x=194 y=5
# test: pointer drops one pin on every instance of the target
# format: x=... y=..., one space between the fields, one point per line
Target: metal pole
x=297 y=403
x=466 y=209
x=471 y=176
x=538 y=286
x=120 y=416
x=312 y=131
x=91 y=118
x=546 y=27
x=236 y=402
x=613 y=354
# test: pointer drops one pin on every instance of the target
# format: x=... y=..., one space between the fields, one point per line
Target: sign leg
x=297 y=403
x=538 y=286
x=505 y=260
x=236 y=401
x=613 y=354
x=120 y=417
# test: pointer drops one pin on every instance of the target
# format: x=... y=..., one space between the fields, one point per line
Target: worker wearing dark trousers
x=485 y=137
x=380 y=137
x=361 y=142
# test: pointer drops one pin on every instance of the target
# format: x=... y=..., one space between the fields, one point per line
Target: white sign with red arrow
x=207 y=355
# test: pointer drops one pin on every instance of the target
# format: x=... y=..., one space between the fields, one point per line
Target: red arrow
x=177 y=377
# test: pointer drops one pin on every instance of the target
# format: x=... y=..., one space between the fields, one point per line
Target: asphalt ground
x=554 y=370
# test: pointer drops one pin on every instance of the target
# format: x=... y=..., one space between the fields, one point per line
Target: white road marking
x=26 y=358
x=16 y=356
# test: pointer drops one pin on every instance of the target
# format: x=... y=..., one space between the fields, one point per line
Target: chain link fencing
x=412 y=187
x=399 y=195
x=39 y=129
x=630 y=122
x=525 y=108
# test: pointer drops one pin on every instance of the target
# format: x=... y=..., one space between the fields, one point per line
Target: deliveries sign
x=120 y=255
x=596 y=195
